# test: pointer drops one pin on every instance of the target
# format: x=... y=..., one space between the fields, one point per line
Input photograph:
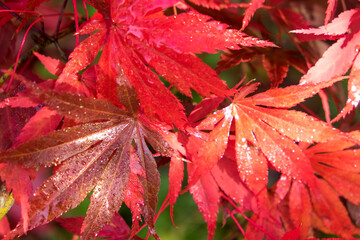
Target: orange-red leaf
x=249 y=12
x=206 y=195
x=329 y=213
x=300 y=208
x=330 y=10
x=54 y=66
x=42 y=123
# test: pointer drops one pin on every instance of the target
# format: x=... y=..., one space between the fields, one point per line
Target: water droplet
x=357 y=48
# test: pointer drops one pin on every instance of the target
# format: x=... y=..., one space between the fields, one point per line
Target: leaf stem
x=60 y=18
x=18 y=55
x=18 y=17
x=251 y=221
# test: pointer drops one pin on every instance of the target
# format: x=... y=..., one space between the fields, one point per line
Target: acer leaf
x=262 y=136
x=142 y=42
x=289 y=18
x=86 y=51
x=199 y=38
x=289 y=96
x=205 y=107
x=176 y=174
x=271 y=227
x=339 y=57
x=116 y=229
x=133 y=197
x=259 y=129
x=338 y=27
x=339 y=167
x=276 y=66
x=92 y=155
x=327 y=206
x=130 y=90
x=353 y=90
x=17 y=180
x=54 y=66
x=206 y=195
x=276 y=62
x=330 y=10
x=300 y=208
x=335 y=62
x=42 y=123
x=227 y=177
x=12 y=120
x=249 y=12
x=72 y=224
x=234 y=57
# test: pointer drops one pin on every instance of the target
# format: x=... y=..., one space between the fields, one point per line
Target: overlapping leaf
x=134 y=42
x=249 y=12
x=206 y=195
x=339 y=57
x=330 y=10
x=18 y=181
x=307 y=207
x=270 y=131
x=320 y=208
x=276 y=61
x=94 y=155
x=263 y=136
x=117 y=229
x=338 y=164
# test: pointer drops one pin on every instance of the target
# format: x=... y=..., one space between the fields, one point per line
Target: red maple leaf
x=115 y=98
x=276 y=61
x=94 y=155
x=116 y=229
x=339 y=57
x=249 y=12
x=134 y=43
x=262 y=136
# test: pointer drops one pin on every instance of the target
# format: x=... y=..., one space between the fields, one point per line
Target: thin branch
x=60 y=18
